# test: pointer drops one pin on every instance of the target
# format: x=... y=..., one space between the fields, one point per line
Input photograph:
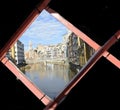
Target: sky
x=44 y=30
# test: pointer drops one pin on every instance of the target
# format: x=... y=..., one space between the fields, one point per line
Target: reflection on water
x=50 y=78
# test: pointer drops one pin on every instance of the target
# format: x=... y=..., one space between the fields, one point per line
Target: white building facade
x=19 y=52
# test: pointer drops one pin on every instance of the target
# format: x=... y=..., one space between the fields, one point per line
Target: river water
x=50 y=78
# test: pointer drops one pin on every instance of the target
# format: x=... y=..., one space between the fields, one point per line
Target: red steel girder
x=98 y=54
x=84 y=37
x=100 y=51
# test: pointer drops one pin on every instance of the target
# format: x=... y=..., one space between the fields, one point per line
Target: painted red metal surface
x=84 y=37
x=37 y=92
x=23 y=27
x=83 y=71
x=100 y=51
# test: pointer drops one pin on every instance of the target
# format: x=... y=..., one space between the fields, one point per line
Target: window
x=54 y=56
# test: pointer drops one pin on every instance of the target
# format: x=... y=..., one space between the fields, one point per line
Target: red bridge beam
x=34 y=89
x=84 y=37
x=34 y=14
x=98 y=54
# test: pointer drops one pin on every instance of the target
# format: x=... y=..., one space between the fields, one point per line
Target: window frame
x=100 y=51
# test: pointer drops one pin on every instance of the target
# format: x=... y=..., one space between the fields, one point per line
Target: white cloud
x=45 y=29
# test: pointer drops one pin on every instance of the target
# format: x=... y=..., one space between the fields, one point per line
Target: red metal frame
x=84 y=37
x=37 y=92
x=100 y=51
x=83 y=71
x=23 y=27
